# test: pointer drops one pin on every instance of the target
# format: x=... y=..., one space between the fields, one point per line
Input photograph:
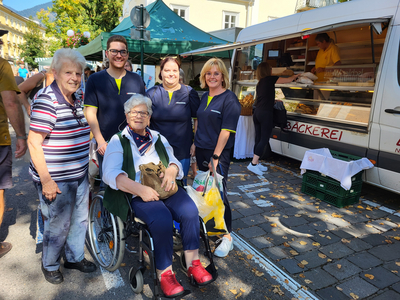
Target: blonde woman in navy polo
x=217 y=116
x=58 y=142
x=174 y=106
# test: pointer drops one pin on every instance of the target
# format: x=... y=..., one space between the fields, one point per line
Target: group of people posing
x=116 y=101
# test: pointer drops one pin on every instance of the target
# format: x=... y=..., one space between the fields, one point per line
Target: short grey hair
x=67 y=55
x=136 y=100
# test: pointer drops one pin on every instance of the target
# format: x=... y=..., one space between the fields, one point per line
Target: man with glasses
x=106 y=93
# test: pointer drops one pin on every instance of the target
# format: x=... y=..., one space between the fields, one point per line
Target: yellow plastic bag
x=211 y=208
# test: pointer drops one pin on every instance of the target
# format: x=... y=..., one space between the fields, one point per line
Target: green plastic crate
x=328 y=189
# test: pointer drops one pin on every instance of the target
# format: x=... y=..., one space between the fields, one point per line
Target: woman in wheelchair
x=156 y=213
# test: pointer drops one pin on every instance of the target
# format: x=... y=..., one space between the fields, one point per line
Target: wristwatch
x=215 y=156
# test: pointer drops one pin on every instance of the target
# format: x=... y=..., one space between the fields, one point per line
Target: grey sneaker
x=224 y=247
x=254 y=169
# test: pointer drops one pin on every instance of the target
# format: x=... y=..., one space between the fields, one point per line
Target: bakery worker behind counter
x=327 y=56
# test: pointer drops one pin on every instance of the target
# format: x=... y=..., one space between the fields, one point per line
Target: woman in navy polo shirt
x=174 y=106
x=217 y=116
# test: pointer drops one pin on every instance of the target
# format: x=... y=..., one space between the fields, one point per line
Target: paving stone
x=364 y=260
x=274 y=230
x=375 y=239
x=319 y=279
x=337 y=250
x=238 y=204
x=359 y=287
x=291 y=211
x=250 y=211
x=325 y=238
x=297 y=244
x=331 y=293
x=392 y=266
x=393 y=218
x=377 y=213
x=383 y=225
x=355 y=218
x=238 y=224
x=342 y=234
x=261 y=242
x=278 y=252
x=312 y=258
x=338 y=222
x=322 y=226
x=386 y=252
x=358 y=245
x=236 y=215
x=291 y=265
x=345 y=270
x=382 y=277
x=396 y=287
x=303 y=229
x=288 y=203
x=387 y=295
x=252 y=232
x=360 y=229
x=254 y=220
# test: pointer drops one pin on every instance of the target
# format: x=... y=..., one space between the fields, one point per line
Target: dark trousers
x=159 y=217
x=223 y=168
x=263 y=124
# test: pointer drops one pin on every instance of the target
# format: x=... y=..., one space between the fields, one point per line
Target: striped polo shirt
x=66 y=146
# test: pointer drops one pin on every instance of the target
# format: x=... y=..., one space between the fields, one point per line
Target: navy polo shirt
x=173 y=119
x=221 y=114
x=102 y=92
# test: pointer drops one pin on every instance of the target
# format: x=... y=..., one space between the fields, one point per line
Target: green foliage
x=94 y=16
x=33 y=46
x=103 y=15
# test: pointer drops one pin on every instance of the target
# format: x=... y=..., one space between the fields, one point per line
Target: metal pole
x=141 y=41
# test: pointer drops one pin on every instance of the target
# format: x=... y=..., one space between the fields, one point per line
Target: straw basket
x=246 y=111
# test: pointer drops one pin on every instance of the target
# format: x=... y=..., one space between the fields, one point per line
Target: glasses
x=134 y=113
x=115 y=52
x=216 y=74
x=78 y=116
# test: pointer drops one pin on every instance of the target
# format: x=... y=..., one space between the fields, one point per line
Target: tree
x=62 y=16
x=103 y=15
x=33 y=46
x=83 y=15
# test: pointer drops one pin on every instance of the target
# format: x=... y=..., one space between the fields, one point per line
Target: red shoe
x=200 y=275
x=169 y=285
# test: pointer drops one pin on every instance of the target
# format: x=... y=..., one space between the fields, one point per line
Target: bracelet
x=174 y=165
x=22 y=137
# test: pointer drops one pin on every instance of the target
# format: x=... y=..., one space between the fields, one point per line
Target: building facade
x=17 y=27
x=212 y=15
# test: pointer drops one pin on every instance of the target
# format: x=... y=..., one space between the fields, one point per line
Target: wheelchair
x=108 y=235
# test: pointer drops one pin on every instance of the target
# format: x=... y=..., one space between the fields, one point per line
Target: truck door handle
x=392 y=111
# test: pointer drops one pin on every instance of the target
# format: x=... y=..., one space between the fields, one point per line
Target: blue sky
x=23 y=4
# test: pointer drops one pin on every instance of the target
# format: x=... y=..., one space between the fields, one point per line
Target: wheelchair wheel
x=182 y=260
x=136 y=280
x=106 y=235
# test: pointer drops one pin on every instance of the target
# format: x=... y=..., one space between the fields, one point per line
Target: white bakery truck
x=356 y=108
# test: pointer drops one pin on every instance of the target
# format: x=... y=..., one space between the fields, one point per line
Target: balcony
x=303 y=5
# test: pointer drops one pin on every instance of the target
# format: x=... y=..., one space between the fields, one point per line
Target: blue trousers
x=65 y=222
x=159 y=216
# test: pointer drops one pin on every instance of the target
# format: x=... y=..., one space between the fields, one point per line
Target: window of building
x=230 y=19
x=182 y=11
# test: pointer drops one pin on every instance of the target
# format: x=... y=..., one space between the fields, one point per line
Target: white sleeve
x=112 y=163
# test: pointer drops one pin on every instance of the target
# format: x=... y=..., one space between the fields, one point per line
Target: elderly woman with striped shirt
x=59 y=146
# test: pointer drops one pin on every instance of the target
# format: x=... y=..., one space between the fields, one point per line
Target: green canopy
x=170 y=35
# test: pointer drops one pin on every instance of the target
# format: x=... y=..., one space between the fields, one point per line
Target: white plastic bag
x=202 y=178
x=309 y=75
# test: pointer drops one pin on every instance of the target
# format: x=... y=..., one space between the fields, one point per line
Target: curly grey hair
x=67 y=55
x=136 y=100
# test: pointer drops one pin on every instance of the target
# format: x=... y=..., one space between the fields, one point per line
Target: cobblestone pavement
x=336 y=253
